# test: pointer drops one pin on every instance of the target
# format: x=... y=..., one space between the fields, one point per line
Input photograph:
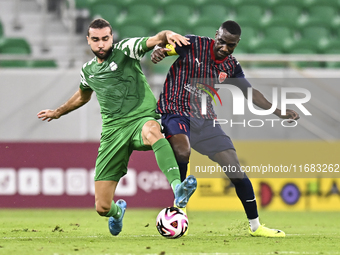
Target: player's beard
x=104 y=55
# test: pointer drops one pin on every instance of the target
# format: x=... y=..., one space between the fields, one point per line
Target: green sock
x=166 y=161
x=174 y=184
x=115 y=211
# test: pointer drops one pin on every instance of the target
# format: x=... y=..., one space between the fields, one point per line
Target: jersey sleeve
x=182 y=51
x=133 y=47
x=240 y=80
x=83 y=83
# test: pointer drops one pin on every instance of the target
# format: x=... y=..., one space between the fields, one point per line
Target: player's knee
x=154 y=133
x=237 y=177
x=182 y=154
x=102 y=209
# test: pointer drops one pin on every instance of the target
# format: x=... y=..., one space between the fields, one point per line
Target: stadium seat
x=249 y=38
x=171 y=26
x=280 y=36
x=133 y=31
x=332 y=3
x=267 y=46
x=142 y=11
x=249 y=15
x=106 y=11
x=207 y=22
x=14 y=46
x=204 y=31
x=287 y=15
x=216 y=12
x=27 y=63
x=1 y=30
x=318 y=35
x=297 y=3
x=303 y=47
x=322 y=15
x=83 y=4
x=190 y=3
x=261 y=3
x=178 y=11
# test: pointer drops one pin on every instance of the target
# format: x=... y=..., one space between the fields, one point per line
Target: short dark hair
x=99 y=23
x=232 y=27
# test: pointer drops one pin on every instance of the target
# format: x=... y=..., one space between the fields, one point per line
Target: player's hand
x=48 y=115
x=174 y=38
x=290 y=114
x=158 y=54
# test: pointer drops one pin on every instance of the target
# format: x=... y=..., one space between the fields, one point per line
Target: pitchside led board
x=286 y=176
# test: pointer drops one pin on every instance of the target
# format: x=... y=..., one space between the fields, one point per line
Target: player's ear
x=88 y=40
x=216 y=34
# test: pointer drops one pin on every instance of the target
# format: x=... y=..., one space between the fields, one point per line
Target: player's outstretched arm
x=260 y=101
x=165 y=37
x=77 y=100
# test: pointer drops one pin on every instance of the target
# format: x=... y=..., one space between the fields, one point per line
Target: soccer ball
x=172 y=222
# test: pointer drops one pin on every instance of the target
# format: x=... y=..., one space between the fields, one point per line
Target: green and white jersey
x=120 y=85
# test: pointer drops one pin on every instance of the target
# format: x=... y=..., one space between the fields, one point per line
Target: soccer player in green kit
x=128 y=114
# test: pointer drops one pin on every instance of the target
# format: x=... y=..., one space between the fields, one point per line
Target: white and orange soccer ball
x=172 y=222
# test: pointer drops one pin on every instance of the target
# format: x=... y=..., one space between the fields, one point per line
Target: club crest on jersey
x=113 y=66
x=222 y=76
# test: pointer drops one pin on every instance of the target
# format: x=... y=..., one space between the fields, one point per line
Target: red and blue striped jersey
x=196 y=64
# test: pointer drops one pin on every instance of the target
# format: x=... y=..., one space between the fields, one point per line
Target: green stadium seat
x=204 y=31
x=178 y=11
x=279 y=35
x=49 y=63
x=267 y=47
x=141 y=11
x=287 y=15
x=133 y=31
x=165 y=25
x=322 y=15
x=297 y=3
x=249 y=15
x=318 y=35
x=332 y=3
x=1 y=30
x=17 y=63
x=14 y=46
x=109 y=12
x=303 y=47
x=249 y=38
x=83 y=4
x=216 y=12
x=261 y=3
x=207 y=22
x=190 y=3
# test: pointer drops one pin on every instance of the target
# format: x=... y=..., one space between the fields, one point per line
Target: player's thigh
x=174 y=124
x=210 y=140
x=113 y=155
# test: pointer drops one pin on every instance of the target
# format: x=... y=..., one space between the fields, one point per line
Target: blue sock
x=245 y=192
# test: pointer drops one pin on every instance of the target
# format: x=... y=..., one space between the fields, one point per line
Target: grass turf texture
x=84 y=232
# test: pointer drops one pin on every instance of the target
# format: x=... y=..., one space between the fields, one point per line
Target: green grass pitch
x=82 y=232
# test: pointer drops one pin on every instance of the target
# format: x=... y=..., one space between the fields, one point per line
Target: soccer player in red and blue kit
x=206 y=60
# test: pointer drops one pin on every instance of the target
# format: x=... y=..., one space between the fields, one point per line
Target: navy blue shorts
x=204 y=137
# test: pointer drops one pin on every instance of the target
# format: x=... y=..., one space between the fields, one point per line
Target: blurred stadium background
x=43 y=46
